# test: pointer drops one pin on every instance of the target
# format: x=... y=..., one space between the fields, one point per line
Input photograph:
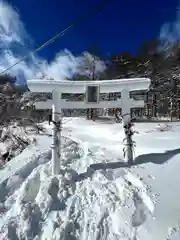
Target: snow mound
x=74 y=205
x=163 y=127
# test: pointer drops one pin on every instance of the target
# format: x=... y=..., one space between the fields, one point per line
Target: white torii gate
x=92 y=90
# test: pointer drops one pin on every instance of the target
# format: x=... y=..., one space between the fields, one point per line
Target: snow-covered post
x=127 y=125
x=56 y=132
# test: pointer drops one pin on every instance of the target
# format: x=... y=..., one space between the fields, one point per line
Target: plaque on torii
x=92 y=90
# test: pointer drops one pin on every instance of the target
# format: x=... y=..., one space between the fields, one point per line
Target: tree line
x=156 y=60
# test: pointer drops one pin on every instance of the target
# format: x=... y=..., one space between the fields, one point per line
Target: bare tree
x=15 y=111
x=92 y=68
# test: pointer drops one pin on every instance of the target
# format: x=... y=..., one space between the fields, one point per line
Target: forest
x=157 y=60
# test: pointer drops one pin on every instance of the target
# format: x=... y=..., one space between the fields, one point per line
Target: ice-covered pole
x=56 y=132
x=129 y=144
x=127 y=125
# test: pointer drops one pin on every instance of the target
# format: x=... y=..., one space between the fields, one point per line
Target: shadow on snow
x=155 y=158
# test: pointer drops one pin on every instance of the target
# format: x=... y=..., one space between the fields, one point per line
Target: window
x=92 y=94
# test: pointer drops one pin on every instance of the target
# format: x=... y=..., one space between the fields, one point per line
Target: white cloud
x=13 y=46
x=11 y=29
x=170 y=32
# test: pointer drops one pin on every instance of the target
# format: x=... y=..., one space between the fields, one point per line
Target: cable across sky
x=80 y=20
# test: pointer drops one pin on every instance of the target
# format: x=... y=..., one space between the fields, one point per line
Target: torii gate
x=92 y=90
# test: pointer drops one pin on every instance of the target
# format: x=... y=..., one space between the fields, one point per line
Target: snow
x=35 y=85
x=96 y=196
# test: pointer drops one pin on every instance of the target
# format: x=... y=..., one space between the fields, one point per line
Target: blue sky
x=122 y=25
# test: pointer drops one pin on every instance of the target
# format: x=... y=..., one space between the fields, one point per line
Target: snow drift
x=95 y=196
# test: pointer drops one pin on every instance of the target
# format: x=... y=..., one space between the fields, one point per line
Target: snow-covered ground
x=96 y=196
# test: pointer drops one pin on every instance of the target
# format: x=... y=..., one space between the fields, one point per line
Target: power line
x=98 y=8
